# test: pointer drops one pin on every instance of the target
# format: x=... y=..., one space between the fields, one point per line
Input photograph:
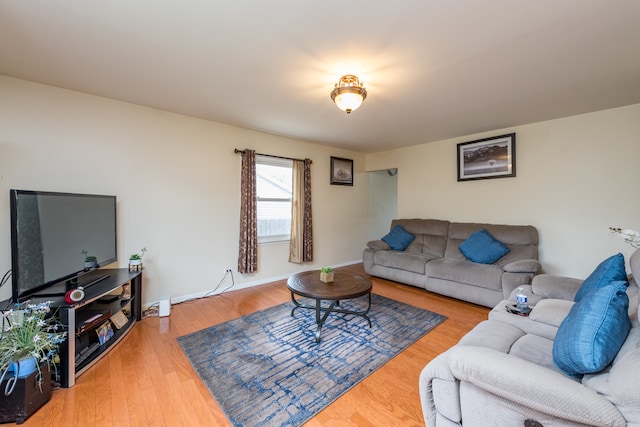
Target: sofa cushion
x=623 y=381
x=522 y=240
x=589 y=338
x=413 y=262
x=551 y=311
x=483 y=248
x=609 y=270
x=469 y=273
x=431 y=235
x=620 y=383
x=535 y=349
x=492 y=334
x=398 y=238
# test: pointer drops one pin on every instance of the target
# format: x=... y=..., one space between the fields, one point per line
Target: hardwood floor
x=147 y=380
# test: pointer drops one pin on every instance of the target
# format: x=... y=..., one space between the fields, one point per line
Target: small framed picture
x=486 y=158
x=105 y=332
x=341 y=171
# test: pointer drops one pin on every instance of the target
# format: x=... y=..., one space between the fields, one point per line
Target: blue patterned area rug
x=265 y=369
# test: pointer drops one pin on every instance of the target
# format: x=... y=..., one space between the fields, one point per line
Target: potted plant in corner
x=90 y=261
x=326 y=274
x=135 y=260
x=29 y=340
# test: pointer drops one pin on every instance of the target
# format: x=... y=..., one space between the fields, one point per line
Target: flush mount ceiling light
x=349 y=93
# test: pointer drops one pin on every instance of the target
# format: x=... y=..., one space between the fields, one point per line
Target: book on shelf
x=95 y=319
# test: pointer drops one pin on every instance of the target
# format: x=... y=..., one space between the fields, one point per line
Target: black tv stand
x=112 y=296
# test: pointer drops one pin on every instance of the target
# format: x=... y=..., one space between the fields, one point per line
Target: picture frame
x=493 y=157
x=105 y=332
x=341 y=171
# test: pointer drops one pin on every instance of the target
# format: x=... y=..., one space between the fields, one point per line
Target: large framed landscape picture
x=493 y=157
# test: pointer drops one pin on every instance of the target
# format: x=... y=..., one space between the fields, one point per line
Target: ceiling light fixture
x=349 y=93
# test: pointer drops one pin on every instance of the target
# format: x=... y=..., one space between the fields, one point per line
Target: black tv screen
x=51 y=234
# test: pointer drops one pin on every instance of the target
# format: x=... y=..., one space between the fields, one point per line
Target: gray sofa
x=434 y=262
x=503 y=372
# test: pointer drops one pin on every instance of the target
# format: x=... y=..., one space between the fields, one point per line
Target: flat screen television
x=51 y=235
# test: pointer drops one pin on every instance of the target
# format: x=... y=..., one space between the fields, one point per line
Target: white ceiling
x=433 y=69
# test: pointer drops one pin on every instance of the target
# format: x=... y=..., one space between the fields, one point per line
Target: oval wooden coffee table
x=345 y=285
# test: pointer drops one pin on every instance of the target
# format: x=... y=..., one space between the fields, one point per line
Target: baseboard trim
x=237 y=286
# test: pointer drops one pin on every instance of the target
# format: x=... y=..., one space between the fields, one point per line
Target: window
x=273 y=187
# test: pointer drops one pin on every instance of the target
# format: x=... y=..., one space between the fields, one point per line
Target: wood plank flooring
x=146 y=380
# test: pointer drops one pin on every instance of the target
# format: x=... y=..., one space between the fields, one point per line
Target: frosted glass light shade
x=348 y=94
x=348 y=101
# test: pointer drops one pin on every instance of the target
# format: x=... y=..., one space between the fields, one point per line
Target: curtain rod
x=235 y=150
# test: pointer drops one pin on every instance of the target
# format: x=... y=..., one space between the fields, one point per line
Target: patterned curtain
x=248 y=254
x=307 y=241
x=297 y=213
x=301 y=246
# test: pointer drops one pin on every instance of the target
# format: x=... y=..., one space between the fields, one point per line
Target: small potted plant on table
x=90 y=261
x=135 y=260
x=326 y=274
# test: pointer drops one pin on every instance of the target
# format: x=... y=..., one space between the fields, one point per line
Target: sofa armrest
x=551 y=286
x=378 y=245
x=543 y=390
x=439 y=391
x=512 y=281
x=523 y=266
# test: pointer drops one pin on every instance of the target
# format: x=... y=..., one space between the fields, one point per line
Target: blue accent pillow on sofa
x=483 y=248
x=591 y=335
x=610 y=270
x=398 y=238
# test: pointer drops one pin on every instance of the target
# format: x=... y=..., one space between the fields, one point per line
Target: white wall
x=575 y=177
x=177 y=182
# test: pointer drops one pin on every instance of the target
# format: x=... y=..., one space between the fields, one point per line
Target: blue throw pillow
x=483 y=248
x=398 y=238
x=610 y=270
x=591 y=335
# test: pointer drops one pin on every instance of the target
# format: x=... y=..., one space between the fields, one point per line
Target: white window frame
x=285 y=163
